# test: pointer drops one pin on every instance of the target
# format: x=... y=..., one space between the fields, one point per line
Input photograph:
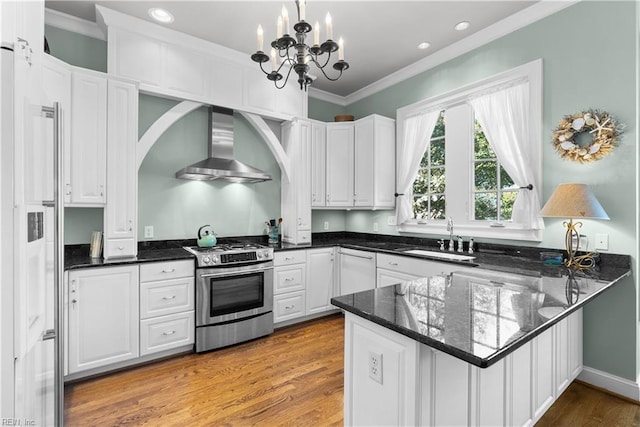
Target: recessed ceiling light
x=424 y=45
x=161 y=15
x=461 y=26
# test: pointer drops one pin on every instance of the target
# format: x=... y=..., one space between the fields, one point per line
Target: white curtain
x=504 y=117
x=415 y=140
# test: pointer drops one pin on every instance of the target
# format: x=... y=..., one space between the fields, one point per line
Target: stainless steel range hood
x=220 y=164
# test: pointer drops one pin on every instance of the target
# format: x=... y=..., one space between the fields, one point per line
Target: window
x=459 y=175
x=429 y=186
x=494 y=191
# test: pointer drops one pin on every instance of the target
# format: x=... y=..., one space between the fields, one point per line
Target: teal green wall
x=323 y=110
x=77 y=49
x=176 y=208
x=589 y=60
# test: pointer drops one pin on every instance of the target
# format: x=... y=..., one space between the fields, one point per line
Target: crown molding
x=518 y=20
x=73 y=24
x=327 y=96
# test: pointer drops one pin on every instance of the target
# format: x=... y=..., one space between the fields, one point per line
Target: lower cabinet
x=118 y=316
x=320 y=281
x=167 y=318
x=303 y=283
x=102 y=317
x=357 y=271
x=289 y=284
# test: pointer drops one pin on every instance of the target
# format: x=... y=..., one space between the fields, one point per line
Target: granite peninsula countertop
x=480 y=315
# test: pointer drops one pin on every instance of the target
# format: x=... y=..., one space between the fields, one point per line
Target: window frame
x=459 y=177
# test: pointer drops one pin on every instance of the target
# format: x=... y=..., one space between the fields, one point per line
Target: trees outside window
x=429 y=186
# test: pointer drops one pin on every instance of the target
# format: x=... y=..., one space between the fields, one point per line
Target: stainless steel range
x=234 y=294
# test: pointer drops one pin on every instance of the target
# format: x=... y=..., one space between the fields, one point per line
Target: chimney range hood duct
x=220 y=164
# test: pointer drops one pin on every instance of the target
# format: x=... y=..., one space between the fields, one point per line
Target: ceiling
x=380 y=37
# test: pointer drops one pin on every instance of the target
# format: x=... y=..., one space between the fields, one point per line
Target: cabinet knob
x=120 y=248
x=73 y=301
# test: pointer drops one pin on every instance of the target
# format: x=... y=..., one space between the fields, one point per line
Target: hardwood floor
x=293 y=378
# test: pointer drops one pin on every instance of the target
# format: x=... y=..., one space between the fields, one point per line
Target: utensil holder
x=274 y=234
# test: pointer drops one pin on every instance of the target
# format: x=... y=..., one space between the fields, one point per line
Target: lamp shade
x=573 y=201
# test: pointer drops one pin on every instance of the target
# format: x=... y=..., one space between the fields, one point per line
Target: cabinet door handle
x=289 y=307
x=68 y=192
x=289 y=279
x=102 y=191
x=120 y=248
x=289 y=258
x=130 y=225
x=357 y=256
x=73 y=301
x=168 y=333
x=169 y=271
x=169 y=298
x=395 y=264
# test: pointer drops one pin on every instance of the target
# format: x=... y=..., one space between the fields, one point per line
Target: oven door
x=227 y=294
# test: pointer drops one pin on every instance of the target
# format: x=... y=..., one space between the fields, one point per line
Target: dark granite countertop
x=78 y=258
x=480 y=315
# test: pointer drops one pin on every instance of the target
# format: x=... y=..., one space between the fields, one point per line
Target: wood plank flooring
x=292 y=378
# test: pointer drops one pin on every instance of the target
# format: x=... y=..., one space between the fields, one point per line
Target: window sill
x=473 y=230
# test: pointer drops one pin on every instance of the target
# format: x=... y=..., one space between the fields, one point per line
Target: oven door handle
x=235 y=273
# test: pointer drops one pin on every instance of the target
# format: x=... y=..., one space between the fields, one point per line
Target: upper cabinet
x=173 y=64
x=296 y=193
x=120 y=216
x=88 y=146
x=353 y=164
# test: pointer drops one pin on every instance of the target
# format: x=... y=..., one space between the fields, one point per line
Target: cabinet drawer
x=289 y=257
x=288 y=306
x=289 y=279
x=166 y=270
x=166 y=297
x=166 y=332
x=118 y=248
x=417 y=267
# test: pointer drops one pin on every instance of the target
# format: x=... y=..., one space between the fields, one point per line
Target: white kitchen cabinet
x=176 y=65
x=318 y=164
x=103 y=309
x=320 y=283
x=88 y=139
x=339 y=175
x=296 y=193
x=363 y=173
x=392 y=267
x=386 y=277
x=375 y=158
x=357 y=271
x=120 y=217
x=359 y=165
x=167 y=317
x=289 y=293
x=56 y=82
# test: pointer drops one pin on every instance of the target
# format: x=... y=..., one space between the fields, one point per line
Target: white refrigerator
x=31 y=244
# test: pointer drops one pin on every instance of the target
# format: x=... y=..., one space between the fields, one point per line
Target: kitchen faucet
x=450 y=230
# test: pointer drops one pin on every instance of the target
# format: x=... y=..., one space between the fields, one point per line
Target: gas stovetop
x=230 y=254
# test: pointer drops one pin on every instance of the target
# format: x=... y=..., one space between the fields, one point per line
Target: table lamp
x=574 y=201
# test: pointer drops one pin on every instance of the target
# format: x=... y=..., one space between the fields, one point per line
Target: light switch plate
x=148 y=231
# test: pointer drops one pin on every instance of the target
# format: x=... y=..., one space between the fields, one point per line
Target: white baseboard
x=618 y=385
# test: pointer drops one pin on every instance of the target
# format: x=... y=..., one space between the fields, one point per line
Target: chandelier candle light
x=301 y=53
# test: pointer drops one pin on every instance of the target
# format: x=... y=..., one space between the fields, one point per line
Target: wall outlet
x=326 y=225
x=391 y=220
x=375 y=366
x=375 y=226
x=602 y=242
x=148 y=231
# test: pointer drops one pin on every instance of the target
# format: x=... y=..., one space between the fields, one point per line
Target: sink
x=443 y=255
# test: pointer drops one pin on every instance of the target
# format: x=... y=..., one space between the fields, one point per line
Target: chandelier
x=295 y=54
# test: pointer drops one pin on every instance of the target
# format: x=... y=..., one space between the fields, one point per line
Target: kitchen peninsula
x=474 y=347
